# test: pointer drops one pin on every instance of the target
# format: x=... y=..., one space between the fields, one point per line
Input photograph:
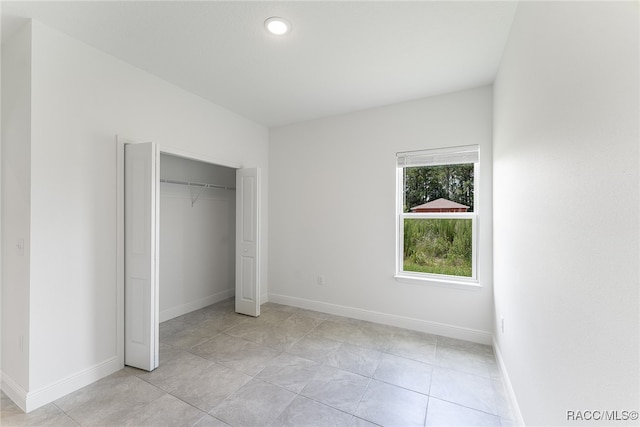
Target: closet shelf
x=197 y=184
x=203 y=186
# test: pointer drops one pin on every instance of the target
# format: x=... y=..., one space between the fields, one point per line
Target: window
x=437 y=214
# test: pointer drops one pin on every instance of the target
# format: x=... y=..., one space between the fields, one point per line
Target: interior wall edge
x=13 y=390
x=38 y=398
x=16 y=122
x=174 y=312
x=510 y=392
x=449 y=331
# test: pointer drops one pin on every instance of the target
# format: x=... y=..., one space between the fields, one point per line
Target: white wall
x=197 y=241
x=16 y=201
x=332 y=196
x=566 y=211
x=190 y=170
x=82 y=98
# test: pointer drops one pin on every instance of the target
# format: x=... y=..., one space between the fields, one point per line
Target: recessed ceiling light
x=277 y=26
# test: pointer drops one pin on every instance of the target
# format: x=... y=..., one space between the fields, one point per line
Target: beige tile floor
x=289 y=367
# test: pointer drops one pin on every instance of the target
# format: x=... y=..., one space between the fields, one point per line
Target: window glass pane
x=438 y=246
x=427 y=184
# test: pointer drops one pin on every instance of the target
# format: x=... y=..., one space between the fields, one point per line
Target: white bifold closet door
x=248 y=242
x=141 y=284
x=141 y=256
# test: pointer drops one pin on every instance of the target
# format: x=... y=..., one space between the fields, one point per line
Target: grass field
x=438 y=246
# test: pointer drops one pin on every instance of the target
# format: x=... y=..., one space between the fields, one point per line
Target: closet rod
x=197 y=184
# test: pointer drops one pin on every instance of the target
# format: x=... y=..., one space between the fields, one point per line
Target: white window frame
x=437 y=157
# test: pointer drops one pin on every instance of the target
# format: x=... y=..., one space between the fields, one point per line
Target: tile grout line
x=298 y=394
x=323 y=364
x=385 y=350
x=466 y=407
x=65 y=413
x=381 y=352
x=255 y=377
x=173 y=395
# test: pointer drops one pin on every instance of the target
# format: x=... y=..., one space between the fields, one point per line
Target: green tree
x=426 y=183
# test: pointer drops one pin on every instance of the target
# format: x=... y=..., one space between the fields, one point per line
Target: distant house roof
x=440 y=205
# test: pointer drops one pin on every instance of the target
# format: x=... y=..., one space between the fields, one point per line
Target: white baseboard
x=14 y=391
x=511 y=395
x=179 y=310
x=28 y=401
x=435 y=328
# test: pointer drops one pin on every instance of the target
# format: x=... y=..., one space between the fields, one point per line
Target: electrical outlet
x=321 y=280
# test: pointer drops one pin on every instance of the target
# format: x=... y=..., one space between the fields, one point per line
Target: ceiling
x=339 y=56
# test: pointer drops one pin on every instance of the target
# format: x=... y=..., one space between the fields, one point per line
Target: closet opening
x=197 y=227
x=189 y=237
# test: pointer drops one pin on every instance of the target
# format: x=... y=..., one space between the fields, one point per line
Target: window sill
x=444 y=283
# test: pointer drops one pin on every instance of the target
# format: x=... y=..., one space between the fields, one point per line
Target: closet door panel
x=248 y=242
x=141 y=286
